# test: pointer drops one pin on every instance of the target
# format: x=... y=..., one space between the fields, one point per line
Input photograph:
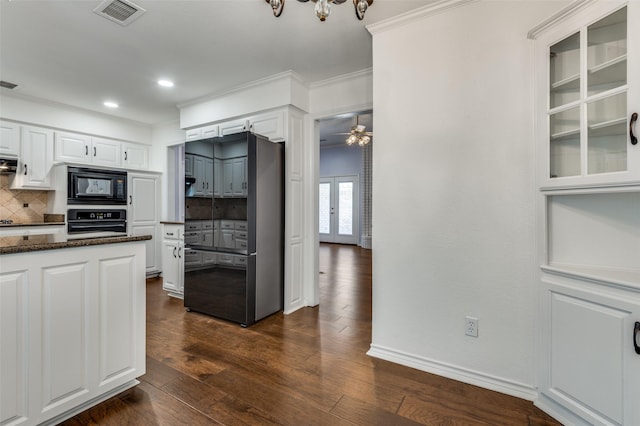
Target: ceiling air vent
x=7 y=85
x=121 y=11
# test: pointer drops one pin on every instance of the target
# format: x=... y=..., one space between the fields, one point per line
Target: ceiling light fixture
x=323 y=7
x=165 y=83
x=357 y=134
x=110 y=104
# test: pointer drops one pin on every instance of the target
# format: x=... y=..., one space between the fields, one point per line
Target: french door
x=339 y=209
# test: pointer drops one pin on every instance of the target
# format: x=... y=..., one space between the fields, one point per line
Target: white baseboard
x=464 y=375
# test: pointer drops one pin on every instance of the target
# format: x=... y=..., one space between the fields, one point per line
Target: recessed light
x=165 y=83
x=110 y=104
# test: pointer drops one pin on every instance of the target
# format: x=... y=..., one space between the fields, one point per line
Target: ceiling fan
x=358 y=134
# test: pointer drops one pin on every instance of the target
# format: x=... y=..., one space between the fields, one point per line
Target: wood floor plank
x=364 y=413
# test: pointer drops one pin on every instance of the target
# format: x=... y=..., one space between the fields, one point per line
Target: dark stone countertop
x=23 y=225
x=25 y=248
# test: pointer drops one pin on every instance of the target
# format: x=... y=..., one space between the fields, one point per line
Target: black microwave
x=94 y=186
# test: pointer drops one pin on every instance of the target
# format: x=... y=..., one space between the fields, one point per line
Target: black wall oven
x=98 y=222
x=95 y=186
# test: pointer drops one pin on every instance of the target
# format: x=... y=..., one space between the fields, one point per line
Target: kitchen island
x=73 y=325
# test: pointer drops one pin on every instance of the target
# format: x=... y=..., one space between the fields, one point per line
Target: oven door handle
x=106 y=225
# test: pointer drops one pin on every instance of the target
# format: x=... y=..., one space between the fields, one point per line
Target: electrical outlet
x=471 y=326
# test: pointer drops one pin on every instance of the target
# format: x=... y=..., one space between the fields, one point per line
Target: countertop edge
x=72 y=243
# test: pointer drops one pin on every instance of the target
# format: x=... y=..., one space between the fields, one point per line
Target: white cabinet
x=78 y=148
x=9 y=139
x=73 y=329
x=36 y=159
x=142 y=214
x=270 y=125
x=173 y=260
x=588 y=207
x=84 y=149
x=205 y=132
x=588 y=89
x=198 y=187
x=106 y=152
x=218 y=182
x=202 y=170
x=234 y=126
x=135 y=156
x=209 y=177
x=235 y=177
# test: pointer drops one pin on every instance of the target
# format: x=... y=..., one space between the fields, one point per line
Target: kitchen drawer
x=192 y=237
x=209 y=258
x=241 y=225
x=192 y=258
x=227 y=224
x=173 y=232
x=241 y=235
x=225 y=259
x=239 y=260
x=194 y=225
x=241 y=244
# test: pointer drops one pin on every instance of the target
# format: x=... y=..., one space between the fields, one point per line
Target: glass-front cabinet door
x=592 y=82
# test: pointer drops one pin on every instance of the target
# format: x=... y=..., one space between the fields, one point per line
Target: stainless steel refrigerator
x=234 y=227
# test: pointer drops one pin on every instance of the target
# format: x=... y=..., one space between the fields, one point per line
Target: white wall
x=64 y=117
x=453 y=193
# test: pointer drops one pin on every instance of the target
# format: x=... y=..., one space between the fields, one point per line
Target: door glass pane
x=325 y=208
x=607 y=134
x=565 y=143
x=607 y=53
x=345 y=208
x=565 y=71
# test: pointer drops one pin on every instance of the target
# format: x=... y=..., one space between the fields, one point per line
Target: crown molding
x=342 y=78
x=291 y=75
x=415 y=15
x=556 y=18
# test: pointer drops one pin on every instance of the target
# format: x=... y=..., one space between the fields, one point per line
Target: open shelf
x=567 y=134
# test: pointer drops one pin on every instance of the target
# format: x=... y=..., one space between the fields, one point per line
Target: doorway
x=338 y=202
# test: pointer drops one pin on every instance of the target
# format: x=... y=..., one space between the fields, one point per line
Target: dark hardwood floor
x=307 y=368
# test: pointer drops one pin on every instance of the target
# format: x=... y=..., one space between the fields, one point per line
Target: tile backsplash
x=21 y=206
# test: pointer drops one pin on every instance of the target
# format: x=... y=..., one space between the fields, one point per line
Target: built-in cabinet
x=173 y=259
x=268 y=124
x=73 y=329
x=588 y=87
x=35 y=160
x=234 y=172
x=89 y=150
x=143 y=208
x=9 y=139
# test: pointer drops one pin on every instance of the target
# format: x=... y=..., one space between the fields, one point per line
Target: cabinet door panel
x=14 y=337
x=170 y=266
x=72 y=147
x=143 y=199
x=135 y=156
x=9 y=138
x=37 y=158
x=106 y=152
x=65 y=341
x=590 y=336
x=117 y=285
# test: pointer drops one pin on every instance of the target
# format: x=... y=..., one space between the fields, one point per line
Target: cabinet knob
x=125 y=156
x=86 y=150
x=636 y=337
x=174 y=252
x=634 y=118
x=25 y=169
x=94 y=151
